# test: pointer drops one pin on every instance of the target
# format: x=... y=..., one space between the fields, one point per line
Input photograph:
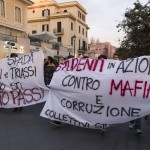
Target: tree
x=136 y=25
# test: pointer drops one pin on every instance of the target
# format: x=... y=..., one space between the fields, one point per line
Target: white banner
x=22 y=81
x=95 y=93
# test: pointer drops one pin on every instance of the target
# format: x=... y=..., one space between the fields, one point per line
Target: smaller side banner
x=22 y=81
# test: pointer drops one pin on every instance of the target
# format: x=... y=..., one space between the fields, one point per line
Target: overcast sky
x=103 y=17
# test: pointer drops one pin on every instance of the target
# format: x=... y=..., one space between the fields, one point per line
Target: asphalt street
x=26 y=130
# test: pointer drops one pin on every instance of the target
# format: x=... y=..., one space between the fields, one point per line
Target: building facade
x=13 y=26
x=67 y=21
x=96 y=49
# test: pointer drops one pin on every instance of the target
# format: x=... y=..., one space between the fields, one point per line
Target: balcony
x=83 y=49
x=60 y=32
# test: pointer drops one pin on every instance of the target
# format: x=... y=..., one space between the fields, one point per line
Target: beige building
x=13 y=26
x=64 y=20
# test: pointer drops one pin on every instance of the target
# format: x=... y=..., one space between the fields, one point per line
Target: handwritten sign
x=22 y=81
x=95 y=93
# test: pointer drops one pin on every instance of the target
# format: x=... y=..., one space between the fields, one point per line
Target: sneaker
x=15 y=109
x=20 y=108
x=138 y=131
x=131 y=126
x=103 y=131
x=56 y=123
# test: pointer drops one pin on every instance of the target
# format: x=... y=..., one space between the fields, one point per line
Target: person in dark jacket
x=49 y=70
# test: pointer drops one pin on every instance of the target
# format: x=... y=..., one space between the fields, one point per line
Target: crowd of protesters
x=50 y=65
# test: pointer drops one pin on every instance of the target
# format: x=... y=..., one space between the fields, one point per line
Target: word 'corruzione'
x=80 y=64
x=19 y=97
x=99 y=109
x=22 y=60
x=126 y=87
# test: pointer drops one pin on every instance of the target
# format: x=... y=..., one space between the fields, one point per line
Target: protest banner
x=94 y=93
x=22 y=81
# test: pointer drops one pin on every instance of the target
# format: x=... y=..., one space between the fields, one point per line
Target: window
x=79 y=43
x=71 y=26
x=33 y=31
x=59 y=39
x=79 y=29
x=83 y=17
x=45 y=27
x=83 y=31
x=17 y=14
x=71 y=41
x=83 y=44
x=33 y=11
x=79 y=14
x=65 y=10
x=45 y=12
x=58 y=26
x=2 y=8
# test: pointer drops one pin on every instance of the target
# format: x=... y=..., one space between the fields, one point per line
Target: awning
x=44 y=36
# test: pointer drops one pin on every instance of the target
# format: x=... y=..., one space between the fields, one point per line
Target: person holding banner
x=136 y=124
x=103 y=130
x=49 y=70
x=20 y=108
x=102 y=56
x=115 y=56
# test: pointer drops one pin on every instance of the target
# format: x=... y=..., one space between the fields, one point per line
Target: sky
x=103 y=17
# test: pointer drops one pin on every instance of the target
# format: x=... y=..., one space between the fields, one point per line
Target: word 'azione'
x=135 y=65
x=80 y=64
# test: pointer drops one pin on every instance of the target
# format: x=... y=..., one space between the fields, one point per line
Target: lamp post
x=74 y=39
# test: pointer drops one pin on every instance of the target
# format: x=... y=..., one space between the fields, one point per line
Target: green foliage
x=136 y=25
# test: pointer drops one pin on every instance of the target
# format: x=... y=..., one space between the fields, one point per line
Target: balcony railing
x=56 y=32
x=82 y=49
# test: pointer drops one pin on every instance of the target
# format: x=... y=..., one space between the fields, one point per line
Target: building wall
x=9 y=19
x=105 y=48
x=11 y=29
x=57 y=14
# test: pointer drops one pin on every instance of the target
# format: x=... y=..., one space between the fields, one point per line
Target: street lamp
x=74 y=39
